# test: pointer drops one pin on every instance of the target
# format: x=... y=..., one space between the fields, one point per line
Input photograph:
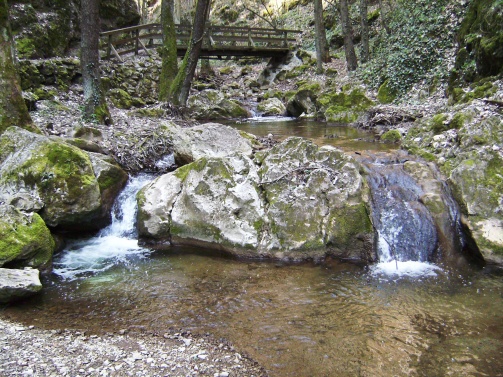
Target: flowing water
x=329 y=319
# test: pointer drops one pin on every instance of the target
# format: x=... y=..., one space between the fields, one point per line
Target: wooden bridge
x=218 y=41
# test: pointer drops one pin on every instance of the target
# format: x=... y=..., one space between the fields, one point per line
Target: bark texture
x=347 y=30
x=13 y=110
x=95 y=106
x=322 y=53
x=181 y=85
x=169 y=57
x=364 y=24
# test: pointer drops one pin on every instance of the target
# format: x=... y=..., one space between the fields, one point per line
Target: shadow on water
x=329 y=319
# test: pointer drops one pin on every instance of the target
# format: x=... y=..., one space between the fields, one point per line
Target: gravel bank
x=29 y=351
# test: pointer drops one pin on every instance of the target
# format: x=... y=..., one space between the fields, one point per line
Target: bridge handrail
x=216 y=36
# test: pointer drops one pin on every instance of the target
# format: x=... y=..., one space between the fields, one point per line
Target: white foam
x=260 y=119
x=114 y=244
x=408 y=268
x=96 y=255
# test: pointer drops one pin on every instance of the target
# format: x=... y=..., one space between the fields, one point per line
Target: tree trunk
x=13 y=110
x=322 y=53
x=384 y=18
x=181 y=85
x=206 y=69
x=95 y=106
x=347 y=30
x=364 y=30
x=169 y=56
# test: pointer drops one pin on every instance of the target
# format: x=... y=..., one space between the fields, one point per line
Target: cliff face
x=48 y=28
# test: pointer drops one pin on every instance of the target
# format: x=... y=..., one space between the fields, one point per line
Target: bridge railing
x=217 y=40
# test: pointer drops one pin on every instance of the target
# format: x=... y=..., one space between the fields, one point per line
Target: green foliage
x=421 y=35
x=481 y=41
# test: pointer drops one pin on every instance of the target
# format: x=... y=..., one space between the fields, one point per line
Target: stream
x=328 y=319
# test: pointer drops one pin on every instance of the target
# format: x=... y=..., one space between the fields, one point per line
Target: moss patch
x=386 y=94
x=24 y=239
x=391 y=136
x=344 y=107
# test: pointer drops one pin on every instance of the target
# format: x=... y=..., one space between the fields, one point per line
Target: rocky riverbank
x=30 y=351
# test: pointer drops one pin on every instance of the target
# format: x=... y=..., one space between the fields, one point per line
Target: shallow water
x=346 y=138
x=334 y=319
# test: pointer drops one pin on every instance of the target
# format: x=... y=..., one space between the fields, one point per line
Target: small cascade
x=113 y=244
x=408 y=236
x=404 y=226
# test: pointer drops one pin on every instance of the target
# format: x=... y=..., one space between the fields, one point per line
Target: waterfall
x=406 y=232
x=115 y=243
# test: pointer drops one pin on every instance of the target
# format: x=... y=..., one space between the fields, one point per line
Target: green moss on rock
x=386 y=94
x=25 y=240
x=391 y=136
x=344 y=107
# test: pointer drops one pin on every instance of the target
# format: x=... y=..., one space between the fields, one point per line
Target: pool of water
x=331 y=319
x=346 y=138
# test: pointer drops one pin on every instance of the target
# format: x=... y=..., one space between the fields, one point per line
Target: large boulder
x=212 y=104
x=478 y=186
x=295 y=202
x=344 y=106
x=69 y=189
x=16 y=284
x=213 y=201
x=271 y=106
x=303 y=102
x=316 y=202
x=468 y=146
x=206 y=140
x=25 y=240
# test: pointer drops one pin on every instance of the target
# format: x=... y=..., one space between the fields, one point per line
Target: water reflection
x=344 y=137
x=334 y=319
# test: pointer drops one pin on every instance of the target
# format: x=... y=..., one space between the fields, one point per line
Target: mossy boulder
x=212 y=105
x=481 y=38
x=391 y=136
x=303 y=101
x=478 y=187
x=385 y=94
x=271 y=106
x=56 y=180
x=481 y=89
x=120 y=98
x=25 y=240
x=212 y=201
x=344 y=106
x=316 y=200
x=302 y=202
x=467 y=145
